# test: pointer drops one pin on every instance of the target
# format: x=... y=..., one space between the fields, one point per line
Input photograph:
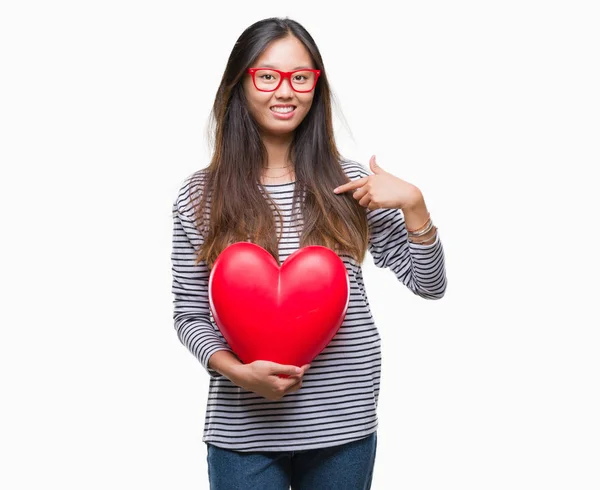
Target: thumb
x=376 y=169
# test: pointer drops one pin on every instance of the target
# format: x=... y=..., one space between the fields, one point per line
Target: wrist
x=423 y=233
x=415 y=213
x=419 y=225
x=235 y=374
x=225 y=363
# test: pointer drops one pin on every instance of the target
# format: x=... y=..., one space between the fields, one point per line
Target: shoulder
x=354 y=170
x=190 y=192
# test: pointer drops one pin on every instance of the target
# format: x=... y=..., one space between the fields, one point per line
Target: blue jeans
x=345 y=467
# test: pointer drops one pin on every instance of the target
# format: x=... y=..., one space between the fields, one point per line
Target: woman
x=276 y=179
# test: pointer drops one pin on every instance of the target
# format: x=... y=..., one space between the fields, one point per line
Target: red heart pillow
x=286 y=315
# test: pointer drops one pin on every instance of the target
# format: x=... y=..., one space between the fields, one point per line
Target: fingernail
x=298 y=370
x=335 y=190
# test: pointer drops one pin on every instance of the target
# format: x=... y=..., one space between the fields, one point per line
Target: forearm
x=428 y=272
x=225 y=363
x=196 y=332
x=415 y=217
x=191 y=298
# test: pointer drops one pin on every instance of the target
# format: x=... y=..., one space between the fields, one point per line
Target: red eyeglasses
x=269 y=79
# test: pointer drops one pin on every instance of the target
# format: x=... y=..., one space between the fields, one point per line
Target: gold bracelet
x=425 y=240
x=422 y=226
x=423 y=232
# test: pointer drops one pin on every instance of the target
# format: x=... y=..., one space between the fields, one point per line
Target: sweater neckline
x=280 y=185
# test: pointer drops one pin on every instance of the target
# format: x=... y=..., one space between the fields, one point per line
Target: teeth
x=282 y=110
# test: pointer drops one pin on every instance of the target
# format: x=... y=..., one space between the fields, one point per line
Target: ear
x=376 y=169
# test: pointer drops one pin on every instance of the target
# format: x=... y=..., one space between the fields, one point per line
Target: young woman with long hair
x=277 y=179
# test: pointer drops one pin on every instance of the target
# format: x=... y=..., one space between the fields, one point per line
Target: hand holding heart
x=268 y=379
x=382 y=190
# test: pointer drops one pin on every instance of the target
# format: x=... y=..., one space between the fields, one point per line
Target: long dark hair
x=240 y=208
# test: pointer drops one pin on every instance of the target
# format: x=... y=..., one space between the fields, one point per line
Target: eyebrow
x=303 y=67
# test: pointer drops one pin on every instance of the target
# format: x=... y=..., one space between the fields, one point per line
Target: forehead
x=285 y=54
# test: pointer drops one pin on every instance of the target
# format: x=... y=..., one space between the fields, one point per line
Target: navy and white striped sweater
x=338 y=399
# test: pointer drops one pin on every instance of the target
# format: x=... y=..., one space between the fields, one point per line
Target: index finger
x=276 y=368
x=355 y=184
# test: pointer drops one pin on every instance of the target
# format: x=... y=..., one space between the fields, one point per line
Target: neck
x=278 y=147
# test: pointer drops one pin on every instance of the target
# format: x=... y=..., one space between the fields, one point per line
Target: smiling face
x=280 y=112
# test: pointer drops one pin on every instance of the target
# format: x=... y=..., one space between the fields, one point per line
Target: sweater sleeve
x=421 y=268
x=191 y=315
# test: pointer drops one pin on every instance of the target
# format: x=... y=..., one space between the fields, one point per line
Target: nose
x=285 y=89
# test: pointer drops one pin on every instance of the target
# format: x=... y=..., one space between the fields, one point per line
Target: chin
x=280 y=129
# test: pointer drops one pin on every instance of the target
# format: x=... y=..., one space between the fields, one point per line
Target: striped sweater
x=338 y=399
